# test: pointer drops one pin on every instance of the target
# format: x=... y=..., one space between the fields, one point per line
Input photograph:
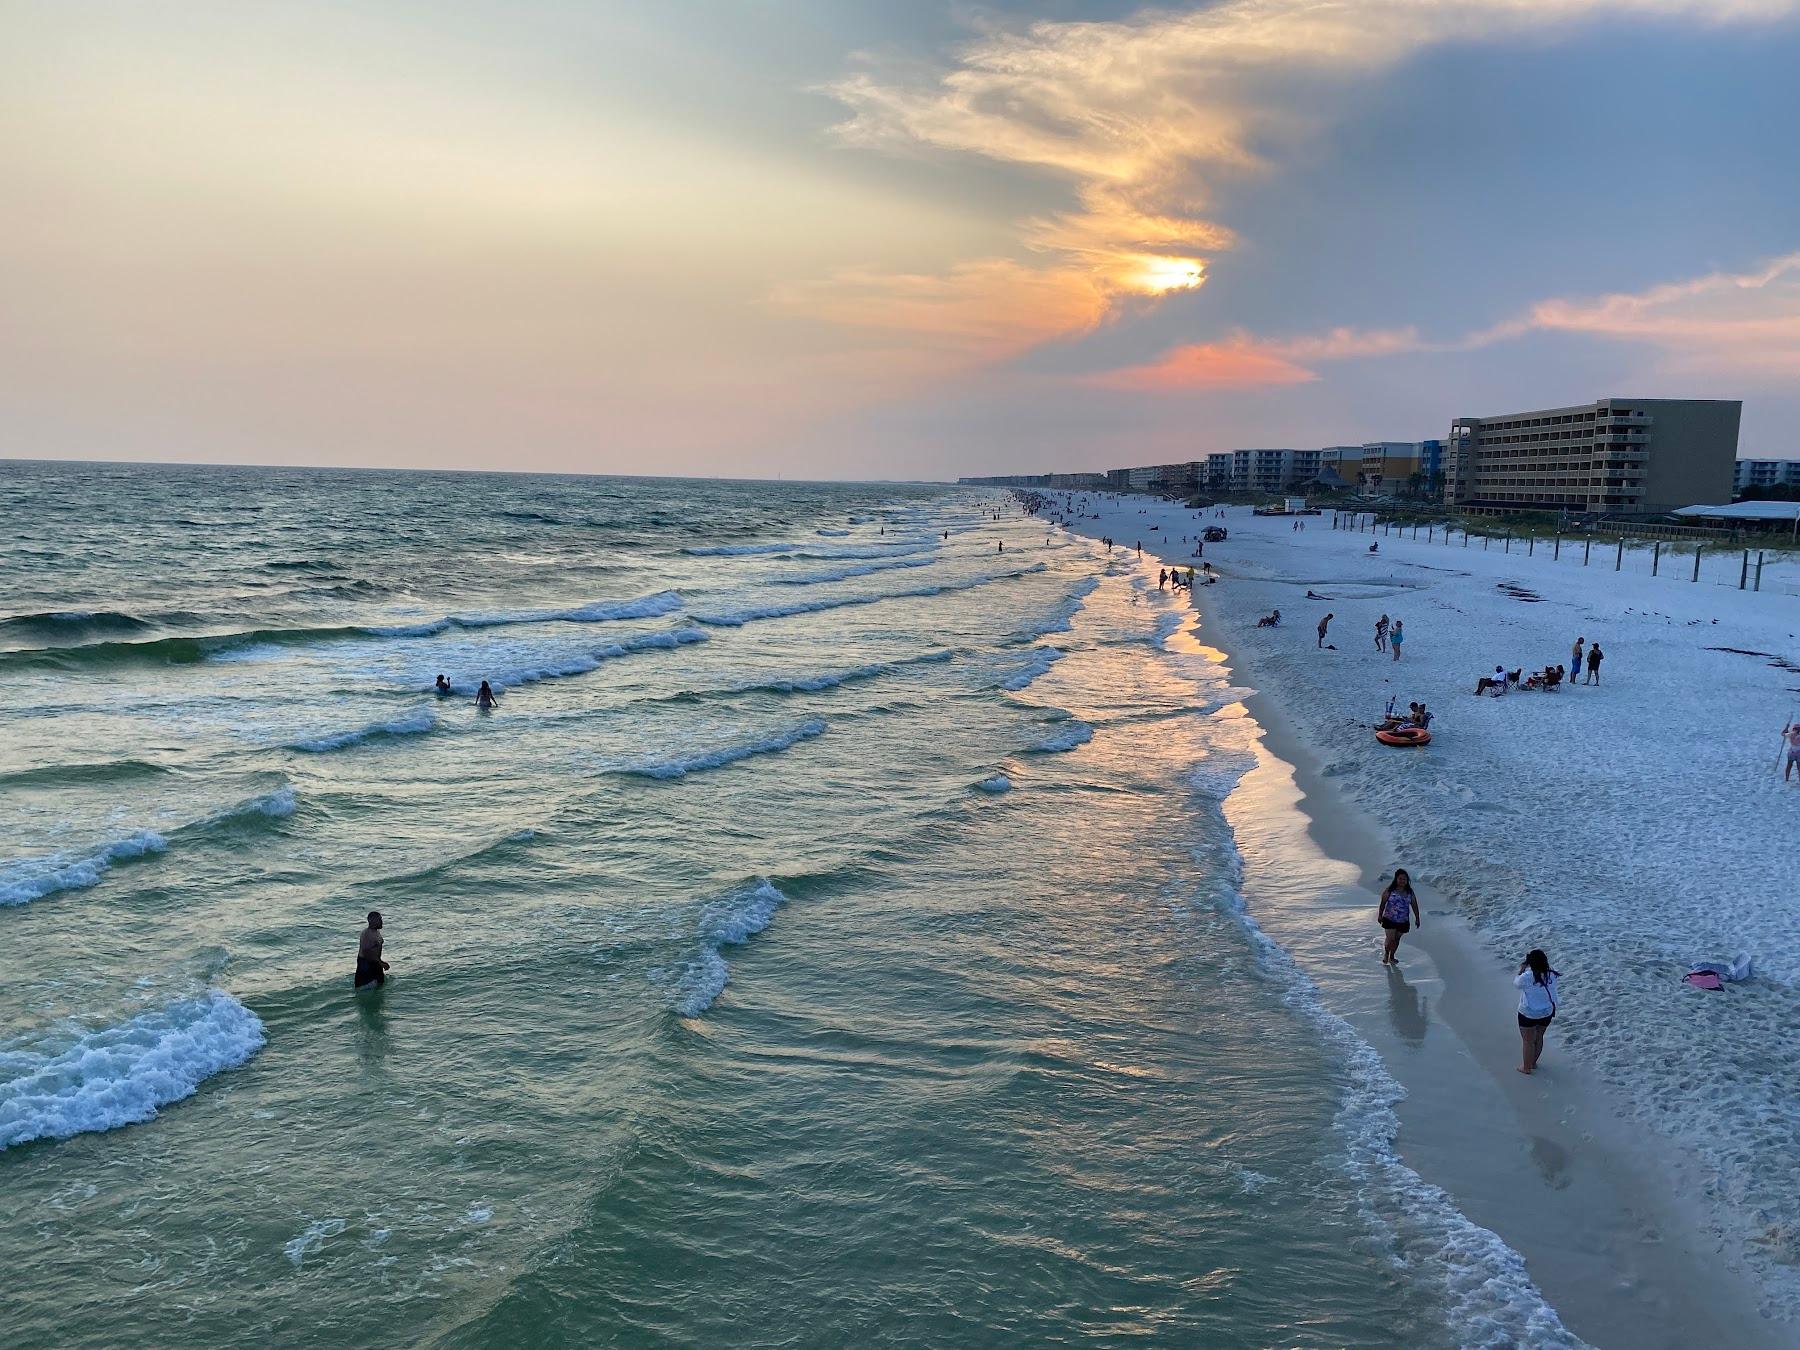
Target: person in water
x=1537 y=1005
x=484 y=696
x=370 y=968
x=1397 y=912
x=443 y=687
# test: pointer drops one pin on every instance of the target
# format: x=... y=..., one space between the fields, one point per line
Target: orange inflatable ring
x=1404 y=736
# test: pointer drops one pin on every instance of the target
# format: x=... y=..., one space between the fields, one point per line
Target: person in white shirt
x=1537 y=1005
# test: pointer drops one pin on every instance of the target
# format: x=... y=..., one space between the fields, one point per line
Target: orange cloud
x=1240 y=363
x=1245 y=362
x=1148 y=119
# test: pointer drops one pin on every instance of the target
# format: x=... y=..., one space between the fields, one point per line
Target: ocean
x=832 y=936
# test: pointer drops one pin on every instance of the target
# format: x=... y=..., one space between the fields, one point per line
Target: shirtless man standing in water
x=370 y=968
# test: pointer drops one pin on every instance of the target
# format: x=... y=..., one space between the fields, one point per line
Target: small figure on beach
x=370 y=968
x=484 y=697
x=1381 y=632
x=1575 y=658
x=1791 y=734
x=1324 y=623
x=1496 y=682
x=1397 y=913
x=1190 y=579
x=1162 y=579
x=1374 y=548
x=1396 y=635
x=1270 y=620
x=443 y=687
x=1537 y=1005
x=1595 y=657
x=1000 y=546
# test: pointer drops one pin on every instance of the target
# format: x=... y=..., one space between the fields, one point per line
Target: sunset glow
x=609 y=237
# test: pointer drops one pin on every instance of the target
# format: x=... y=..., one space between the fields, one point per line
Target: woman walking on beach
x=1395 y=637
x=1397 y=912
x=1537 y=1005
x=1381 y=630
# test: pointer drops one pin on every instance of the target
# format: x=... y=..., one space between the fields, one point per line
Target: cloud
x=1149 y=122
x=1745 y=325
x=1238 y=363
x=985 y=309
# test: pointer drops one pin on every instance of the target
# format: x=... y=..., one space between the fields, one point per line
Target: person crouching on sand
x=370 y=968
x=1537 y=1005
x=1397 y=912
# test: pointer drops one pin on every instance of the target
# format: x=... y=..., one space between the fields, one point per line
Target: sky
x=881 y=238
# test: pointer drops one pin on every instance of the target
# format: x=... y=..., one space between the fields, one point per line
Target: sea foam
x=730 y=920
x=86 y=1080
x=737 y=618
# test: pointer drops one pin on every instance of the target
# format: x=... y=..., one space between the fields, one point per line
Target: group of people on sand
x=1546 y=680
x=485 y=697
x=1174 y=576
x=1398 y=913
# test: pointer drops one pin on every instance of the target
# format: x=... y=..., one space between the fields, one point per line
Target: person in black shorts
x=370 y=968
x=1537 y=1005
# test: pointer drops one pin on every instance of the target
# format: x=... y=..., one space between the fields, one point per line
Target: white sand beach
x=1649 y=1173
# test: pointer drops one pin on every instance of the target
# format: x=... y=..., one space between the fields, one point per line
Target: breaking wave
x=729 y=921
x=80 y=1080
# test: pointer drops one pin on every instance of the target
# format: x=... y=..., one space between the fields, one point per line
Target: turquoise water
x=833 y=938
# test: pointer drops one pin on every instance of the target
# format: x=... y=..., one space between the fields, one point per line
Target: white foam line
x=739 y=617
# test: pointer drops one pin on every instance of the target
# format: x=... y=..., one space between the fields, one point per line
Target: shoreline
x=1606 y=1216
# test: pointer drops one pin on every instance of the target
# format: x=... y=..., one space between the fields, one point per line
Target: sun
x=1155 y=274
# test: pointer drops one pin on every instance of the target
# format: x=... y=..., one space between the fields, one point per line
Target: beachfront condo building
x=1397 y=468
x=1764 y=473
x=1615 y=455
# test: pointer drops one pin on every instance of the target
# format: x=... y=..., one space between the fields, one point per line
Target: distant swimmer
x=484 y=697
x=370 y=968
x=443 y=687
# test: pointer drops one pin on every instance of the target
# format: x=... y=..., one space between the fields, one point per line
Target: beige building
x=1612 y=455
